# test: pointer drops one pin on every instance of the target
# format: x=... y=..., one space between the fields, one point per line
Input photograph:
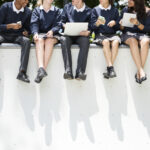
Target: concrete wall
x=97 y=114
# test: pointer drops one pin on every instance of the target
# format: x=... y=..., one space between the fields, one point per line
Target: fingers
x=35 y=37
x=111 y=23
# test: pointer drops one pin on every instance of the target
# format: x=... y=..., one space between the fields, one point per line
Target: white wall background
x=97 y=114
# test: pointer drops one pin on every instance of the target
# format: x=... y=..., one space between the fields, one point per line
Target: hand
x=134 y=21
x=36 y=37
x=85 y=33
x=25 y=33
x=64 y=25
x=49 y=34
x=111 y=23
x=14 y=26
x=100 y=22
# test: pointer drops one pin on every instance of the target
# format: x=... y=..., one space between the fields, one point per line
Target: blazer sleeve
x=57 y=24
x=34 y=24
x=3 y=14
x=27 y=22
x=94 y=17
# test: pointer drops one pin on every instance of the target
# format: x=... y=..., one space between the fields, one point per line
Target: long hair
x=140 y=9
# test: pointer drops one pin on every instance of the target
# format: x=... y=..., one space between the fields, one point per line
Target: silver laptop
x=74 y=29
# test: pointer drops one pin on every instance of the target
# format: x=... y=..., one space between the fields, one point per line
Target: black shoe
x=40 y=75
x=137 y=79
x=110 y=73
x=106 y=75
x=143 y=78
x=23 y=77
x=68 y=75
x=80 y=76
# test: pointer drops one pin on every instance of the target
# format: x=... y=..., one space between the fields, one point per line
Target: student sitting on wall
x=44 y=27
x=14 y=28
x=105 y=23
x=136 y=37
x=76 y=11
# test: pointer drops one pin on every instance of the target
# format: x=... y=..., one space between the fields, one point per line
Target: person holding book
x=136 y=37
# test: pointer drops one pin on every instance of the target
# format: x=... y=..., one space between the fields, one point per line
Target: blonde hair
x=39 y=2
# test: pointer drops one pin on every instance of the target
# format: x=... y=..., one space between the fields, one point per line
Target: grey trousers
x=83 y=42
x=25 y=48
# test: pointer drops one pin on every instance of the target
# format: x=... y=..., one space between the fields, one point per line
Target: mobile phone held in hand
x=19 y=22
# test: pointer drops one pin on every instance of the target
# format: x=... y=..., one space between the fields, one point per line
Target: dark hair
x=111 y=2
x=139 y=8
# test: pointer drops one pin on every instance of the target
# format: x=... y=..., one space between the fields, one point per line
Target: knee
x=64 y=39
x=26 y=40
x=51 y=41
x=106 y=42
x=115 y=43
x=145 y=41
x=133 y=42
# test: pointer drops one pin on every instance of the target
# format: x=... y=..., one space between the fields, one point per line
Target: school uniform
x=9 y=14
x=42 y=21
x=104 y=31
x=135 y=32
x=72 y=14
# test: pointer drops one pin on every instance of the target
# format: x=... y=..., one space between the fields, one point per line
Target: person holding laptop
x=75 y=12
x=137 y=36
x=105 y=23
x=44 y=27
x=15 y=28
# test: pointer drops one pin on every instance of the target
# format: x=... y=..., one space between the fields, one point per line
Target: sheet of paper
x=126 y=19
x=74 y=29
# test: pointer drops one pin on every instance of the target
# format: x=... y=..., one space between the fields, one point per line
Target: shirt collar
x=81 y=9
x=16 y=10
x=108 y=8
x=52 y=8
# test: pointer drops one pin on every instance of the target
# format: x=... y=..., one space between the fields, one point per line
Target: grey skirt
x=138 y=36
x=101 y=37
x=43 y=35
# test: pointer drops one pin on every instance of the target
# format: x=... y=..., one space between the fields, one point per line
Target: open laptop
x=74 y=29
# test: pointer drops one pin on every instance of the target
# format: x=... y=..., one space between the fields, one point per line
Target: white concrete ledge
x=97 y=114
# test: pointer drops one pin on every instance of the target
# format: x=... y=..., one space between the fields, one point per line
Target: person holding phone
x=105 y=23
x=14 y=28
x=76 y=11
x=44 y=27
x=137 y=36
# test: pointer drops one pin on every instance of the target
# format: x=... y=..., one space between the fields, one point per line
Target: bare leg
x=40 y=52
x=144 y=50
x=115 y=45
x=49 y=44
x=133 y=43
x=107 y=52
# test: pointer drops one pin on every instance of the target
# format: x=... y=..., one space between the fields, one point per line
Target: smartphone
x=19 y=22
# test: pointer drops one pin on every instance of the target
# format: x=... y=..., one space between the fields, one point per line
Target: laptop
x=74 y=29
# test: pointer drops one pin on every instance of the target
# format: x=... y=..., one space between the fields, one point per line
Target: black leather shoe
x=40 y=75
x=137 y=79
x=23 y=77
x=80 y=76
x=106 y=75
x=143 y=79
x=112 y=72
x=68 y=75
